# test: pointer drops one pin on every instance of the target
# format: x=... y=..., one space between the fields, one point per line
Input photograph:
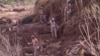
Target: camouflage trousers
x=54 y=32
x=36 y=49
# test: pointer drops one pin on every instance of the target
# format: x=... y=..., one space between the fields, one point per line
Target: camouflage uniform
x=42 y=16
x=35 y=43
x=53 y=27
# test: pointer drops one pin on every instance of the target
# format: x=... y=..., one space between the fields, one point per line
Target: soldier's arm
x=49 y=22
x=56 y=26
x=29 y=43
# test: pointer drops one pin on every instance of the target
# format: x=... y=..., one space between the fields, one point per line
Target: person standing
x=8 y=24
x=36 y=45
x=42 y=15
x=53 y=27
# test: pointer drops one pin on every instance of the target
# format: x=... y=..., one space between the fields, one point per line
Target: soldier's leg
x=44 y=19
x=9 y=27
x=35 y=51
x=55 y=32
x=41 y=20
x=52 y=31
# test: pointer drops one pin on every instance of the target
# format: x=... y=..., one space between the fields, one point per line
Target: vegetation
x=7 y=49
x=72 y=16
x=18 y=2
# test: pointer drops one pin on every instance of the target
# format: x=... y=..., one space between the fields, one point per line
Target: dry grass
x=87 y=10
x=89 y=44
x=7 y=49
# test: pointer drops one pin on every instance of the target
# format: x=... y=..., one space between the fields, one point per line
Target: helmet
x=33 y=36
x=52 y=18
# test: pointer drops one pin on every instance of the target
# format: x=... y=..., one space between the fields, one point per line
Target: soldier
x=42 y=15
x=8 y=24
x=53 y=27
x=36 y=45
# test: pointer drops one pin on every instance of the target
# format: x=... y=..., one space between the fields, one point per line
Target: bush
x=7 y=49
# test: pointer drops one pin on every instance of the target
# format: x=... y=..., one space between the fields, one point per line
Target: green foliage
x=17 y=1
x=5 y=1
